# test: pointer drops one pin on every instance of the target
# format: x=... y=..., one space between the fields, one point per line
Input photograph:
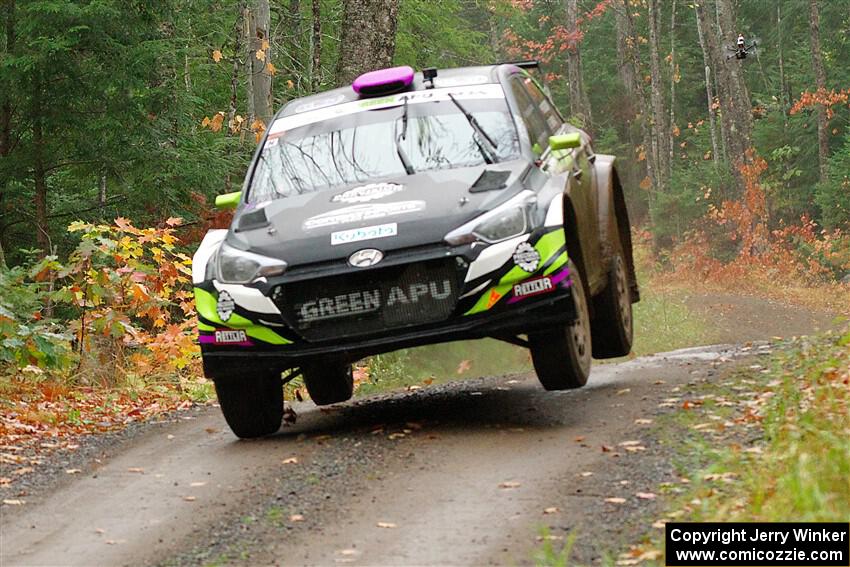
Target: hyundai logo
x=365 y=258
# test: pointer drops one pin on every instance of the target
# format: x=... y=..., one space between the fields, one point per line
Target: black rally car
x=407 y=209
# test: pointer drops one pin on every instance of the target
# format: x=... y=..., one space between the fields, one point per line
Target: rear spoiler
x=527 y=64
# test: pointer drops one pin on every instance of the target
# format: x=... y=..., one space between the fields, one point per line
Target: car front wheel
x=251 y=400
x=328 y=382
x=562 y=356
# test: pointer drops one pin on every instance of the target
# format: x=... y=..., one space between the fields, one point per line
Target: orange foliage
x=828 y=99
x=736 y=247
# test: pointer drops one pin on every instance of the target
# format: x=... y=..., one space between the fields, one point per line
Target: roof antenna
x=429 y=75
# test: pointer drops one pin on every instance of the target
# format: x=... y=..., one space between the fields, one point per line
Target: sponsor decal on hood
x=365 y=233
x=368 y=192
x=360 y=213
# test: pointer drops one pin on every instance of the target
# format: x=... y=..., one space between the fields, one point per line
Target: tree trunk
x=709 y=95
x=579 y=103
x=316 y=66
x=632 y=78
x=40 y=178
x=250 y=56
x=368 y=37
x=659 y=117
x=259 y=55
x=782 y=99
x=734 y=128
x=295 y=37
x=5 y=102
x=674 y=76
x=820 y=83
x=739 y=99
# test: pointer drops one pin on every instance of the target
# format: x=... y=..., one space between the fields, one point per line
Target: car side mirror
x=228 y=200
x=564 y=141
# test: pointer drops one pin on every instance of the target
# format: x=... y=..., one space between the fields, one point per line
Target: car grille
x=371 y=301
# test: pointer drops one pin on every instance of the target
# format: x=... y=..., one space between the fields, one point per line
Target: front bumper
x=537 y=315
x=496 y=296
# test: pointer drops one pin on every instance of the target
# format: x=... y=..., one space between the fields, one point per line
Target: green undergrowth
x=769 y=443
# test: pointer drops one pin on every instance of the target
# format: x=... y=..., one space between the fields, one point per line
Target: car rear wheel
x=613 y=325
x=562 y=356
x=328 y=383
x=251 y=399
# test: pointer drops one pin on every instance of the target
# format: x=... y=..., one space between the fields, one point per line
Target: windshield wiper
x=490 y=154
x=402 y=155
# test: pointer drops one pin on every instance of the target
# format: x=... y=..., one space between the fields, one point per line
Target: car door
x=542 y=121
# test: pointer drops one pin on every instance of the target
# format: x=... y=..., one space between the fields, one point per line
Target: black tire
x=328 y=382
x=251 y=399
x=562 y=356
x=613 y=324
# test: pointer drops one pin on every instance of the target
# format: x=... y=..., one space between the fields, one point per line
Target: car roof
x=458 y=76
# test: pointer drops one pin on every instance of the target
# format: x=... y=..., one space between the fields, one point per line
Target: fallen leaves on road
x=643 y=421
x=464 y=366
x=386 y=525
x=509 y=484
x=551 y=510
x=138 y=470
x=290 y=461
x=646 y=495
x=73 y=471
x=615 y=500
x=190 y=498
x=296 y=518
x=197 y=484
x=586 y=474
x=13 y=502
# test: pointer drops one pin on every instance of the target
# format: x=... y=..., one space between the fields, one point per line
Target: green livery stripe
x=550 y=243
x=205 y=327
x=557 y=264
x=547 y=246
x=205 y=303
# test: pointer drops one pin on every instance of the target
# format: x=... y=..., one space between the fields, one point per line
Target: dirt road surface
x=466 y=473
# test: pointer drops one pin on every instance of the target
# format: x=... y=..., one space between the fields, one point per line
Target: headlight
x=507 y=224
x=511 y=219
x=240 y=267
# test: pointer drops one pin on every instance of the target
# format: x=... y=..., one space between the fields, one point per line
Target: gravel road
x=465 y=473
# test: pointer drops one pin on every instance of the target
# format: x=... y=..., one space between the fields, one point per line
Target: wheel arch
x=614 y=217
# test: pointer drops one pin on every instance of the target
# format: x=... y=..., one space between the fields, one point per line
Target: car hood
x=424 y=207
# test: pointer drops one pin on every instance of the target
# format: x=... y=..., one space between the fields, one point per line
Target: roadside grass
x=770 y=443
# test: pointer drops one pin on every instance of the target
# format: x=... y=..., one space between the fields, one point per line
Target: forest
x=121 y=121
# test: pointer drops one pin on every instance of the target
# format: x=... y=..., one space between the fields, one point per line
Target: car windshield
x=361 y=147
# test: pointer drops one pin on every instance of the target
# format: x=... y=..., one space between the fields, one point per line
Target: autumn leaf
x=646 y=495
x=386 y=525
x=216 y=122
x=615 y=500
x=296 y=518
x=645 y=184
x=290 y=461
x=216 y=55
x=190 y=498
x=271 y=69
x=463 y=366
x=509 y=484
x=260 y=55
x=265 y=45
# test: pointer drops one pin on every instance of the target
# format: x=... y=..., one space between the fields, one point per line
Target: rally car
x=413 y=208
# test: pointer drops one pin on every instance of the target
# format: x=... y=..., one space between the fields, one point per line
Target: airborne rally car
x=409 y=209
